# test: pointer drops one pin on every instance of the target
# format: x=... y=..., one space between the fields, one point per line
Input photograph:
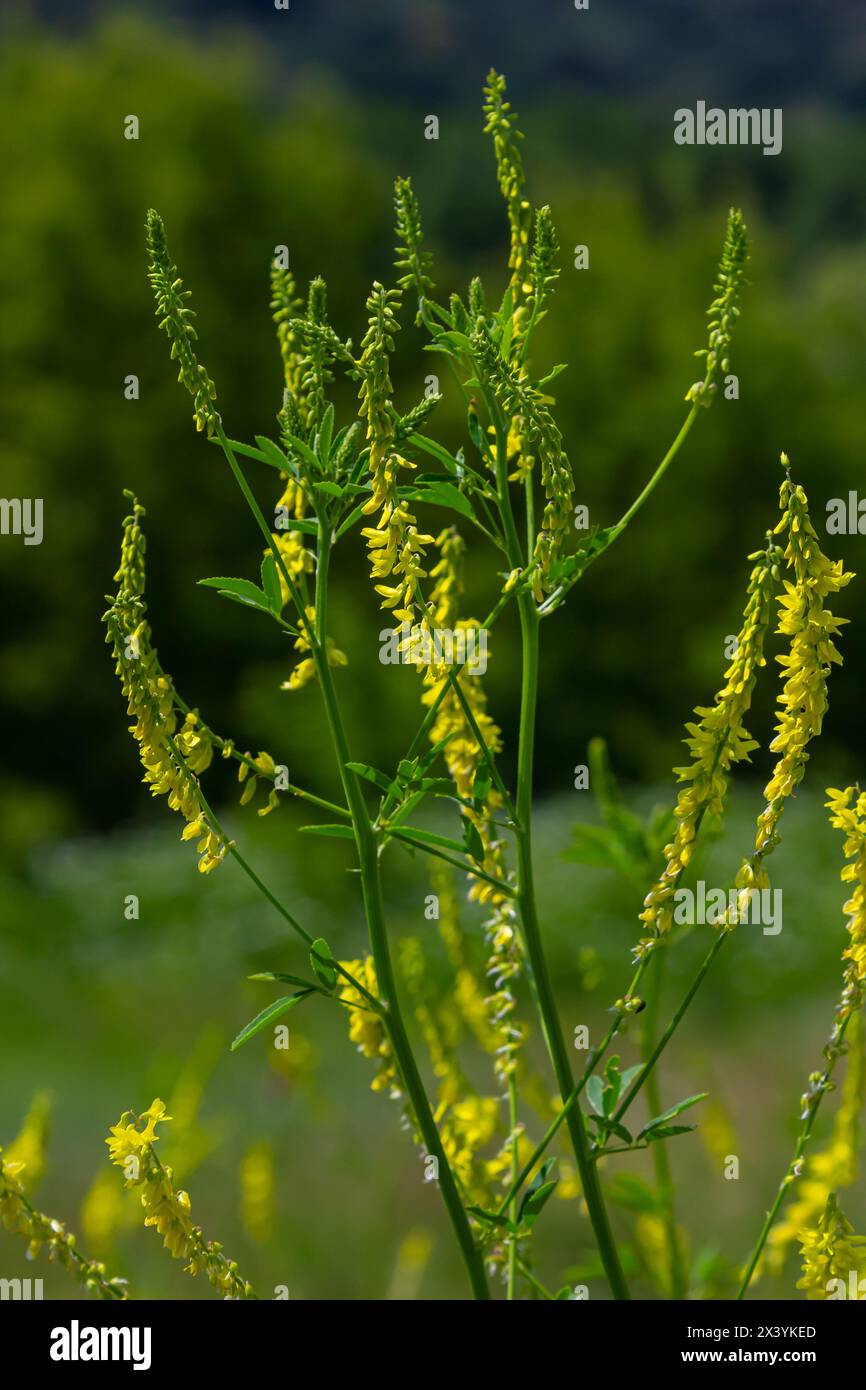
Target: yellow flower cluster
x=848 y=814
x=395 y=545
x=810 y=626
x=830 y=1251
x=366 y=1029
x=463 y=757
x=18 y=1215
x=152 y=703
x=130 y=1147
x=716 y=741
x=305 y=671
x=466 y=1127
x=266 y=768
x=294 y=554
x=467 y=995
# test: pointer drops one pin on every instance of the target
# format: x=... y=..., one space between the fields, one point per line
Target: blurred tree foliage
x=241 y=151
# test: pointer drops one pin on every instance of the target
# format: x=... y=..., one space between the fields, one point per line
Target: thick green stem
x=368 y=860
x=553 y=1035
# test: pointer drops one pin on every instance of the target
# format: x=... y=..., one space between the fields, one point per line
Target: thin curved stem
x=792 y=1172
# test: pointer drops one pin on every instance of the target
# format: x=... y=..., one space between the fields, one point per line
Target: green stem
x=541 y=984
x=512 y=1245
x=646 y=1070
x=659 y=473
x=532 y=932
x=555 y=598
x=661 y=1160
x=473 y=869
x=793 y=1170
x=368 y=860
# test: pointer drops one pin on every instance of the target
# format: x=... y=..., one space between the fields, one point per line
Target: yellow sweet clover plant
x=510 y=486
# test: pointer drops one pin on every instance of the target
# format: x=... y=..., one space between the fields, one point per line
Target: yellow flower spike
x=830 y=1252
x=167 y=1210
x=366 y=1029
x=463 y=757
x=717 y=740
x=151 y=697
x=19 y=1216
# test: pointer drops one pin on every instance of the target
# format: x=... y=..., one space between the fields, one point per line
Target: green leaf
x=441 y=494
x=322 y=961
x=241 y=591
x=332 y=489
x=273 y=453
x=491 y=1217
x=324 y=437
x=249 y=452
x=296 y=523
x=594 y=1091
x=672 y=1112
x=271 y=976
x=472 y=840
x=376 y=776
x=534 y=1202
x=298 y=446
x=271 y=583
x=339 y=832
x=458 y=341
x=552 y=374
x=537 y=1193
x=428 y=837
x=476 y=433
x=267 y=1015
x=430 y=446
x=666 y=1132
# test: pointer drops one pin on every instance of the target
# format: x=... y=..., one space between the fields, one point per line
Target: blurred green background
x=260 y=127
